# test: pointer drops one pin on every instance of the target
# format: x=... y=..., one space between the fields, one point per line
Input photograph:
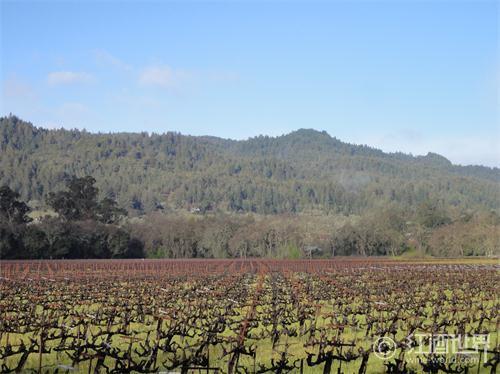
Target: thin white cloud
x=463 y=150
x=223 y=76
x=164 y=77
x=72 y=115
x=72 y=109
x=103 y=57
x=68 y=77
x=183 y=80
x=14 y=87
x=19 y=97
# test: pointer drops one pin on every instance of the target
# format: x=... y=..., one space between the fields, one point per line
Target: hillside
x=303 y=171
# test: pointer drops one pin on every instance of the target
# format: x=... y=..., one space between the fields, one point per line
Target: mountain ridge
x=303 y=170
x=293 y=133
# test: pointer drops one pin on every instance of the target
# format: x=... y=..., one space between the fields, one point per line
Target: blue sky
x=411 y=76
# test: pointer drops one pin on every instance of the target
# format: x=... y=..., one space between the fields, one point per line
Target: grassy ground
x=264 y=352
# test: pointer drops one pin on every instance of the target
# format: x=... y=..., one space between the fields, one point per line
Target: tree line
x=388 y=231
x=82 y=226
x=79 y=225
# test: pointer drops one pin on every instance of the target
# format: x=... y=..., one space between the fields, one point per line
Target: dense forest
x=305 y=193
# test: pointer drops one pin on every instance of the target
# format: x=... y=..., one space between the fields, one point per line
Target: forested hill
x=304 y=171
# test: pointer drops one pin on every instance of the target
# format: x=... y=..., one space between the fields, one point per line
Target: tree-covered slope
x=303 y=171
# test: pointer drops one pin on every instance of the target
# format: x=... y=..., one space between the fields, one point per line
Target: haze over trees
x=188 y=196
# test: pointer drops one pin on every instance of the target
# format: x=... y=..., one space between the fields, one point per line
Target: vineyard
x=347 y=315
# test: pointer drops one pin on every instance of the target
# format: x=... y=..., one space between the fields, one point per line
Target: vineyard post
x=340 y=361
x=40 y=350
x=129 y=355
x=254 y=359
x=340 y=349
x=208 y=357
x=479 y=361
x=158 y=330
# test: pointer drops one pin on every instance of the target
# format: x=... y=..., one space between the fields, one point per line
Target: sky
x=411 y=76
